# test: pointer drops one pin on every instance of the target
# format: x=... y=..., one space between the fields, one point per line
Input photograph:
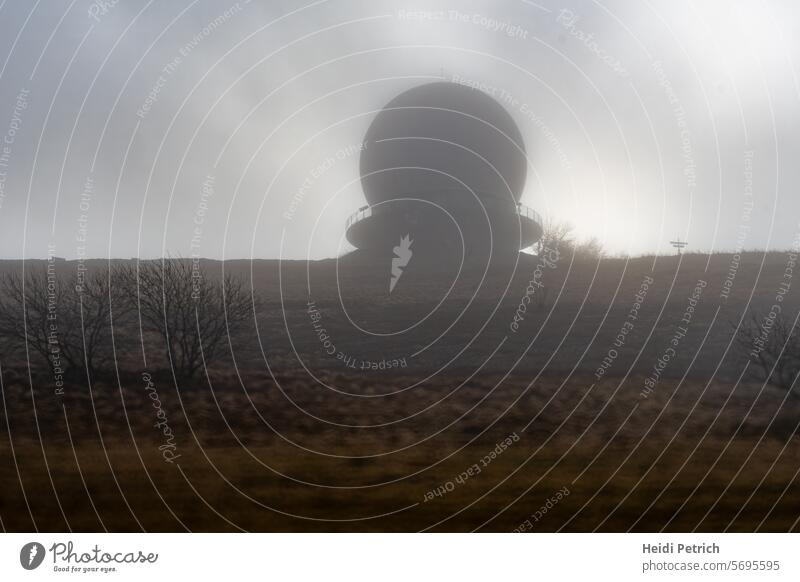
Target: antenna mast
x=679 y=245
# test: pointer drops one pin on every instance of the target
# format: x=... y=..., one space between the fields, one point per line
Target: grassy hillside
x=280 y=434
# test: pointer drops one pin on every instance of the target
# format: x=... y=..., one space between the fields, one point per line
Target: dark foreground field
x=481 y=428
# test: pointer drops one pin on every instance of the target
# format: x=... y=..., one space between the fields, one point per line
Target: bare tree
x=556 y=235
x=101 y=304
x=559 y=236
x=589 y=250
x=192 y=314
x=771 y=344
x=64 y=319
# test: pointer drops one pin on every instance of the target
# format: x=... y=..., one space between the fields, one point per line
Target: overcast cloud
x=231 y=130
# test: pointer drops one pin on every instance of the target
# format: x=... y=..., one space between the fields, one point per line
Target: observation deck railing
x=525 y=211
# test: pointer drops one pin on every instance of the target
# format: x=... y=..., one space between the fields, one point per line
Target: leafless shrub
x=191 y=313
x=559 y=236
x=64 y=319
x=589 y=250
x=556 y=235
x=772 y=345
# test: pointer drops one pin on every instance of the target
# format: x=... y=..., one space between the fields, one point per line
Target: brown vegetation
x=276 y=434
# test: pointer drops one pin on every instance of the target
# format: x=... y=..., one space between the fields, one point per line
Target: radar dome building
x=444 y=166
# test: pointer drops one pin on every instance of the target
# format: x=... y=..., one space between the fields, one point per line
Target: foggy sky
x=232 y=130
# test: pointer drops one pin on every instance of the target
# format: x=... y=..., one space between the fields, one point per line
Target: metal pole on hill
x=679 y=245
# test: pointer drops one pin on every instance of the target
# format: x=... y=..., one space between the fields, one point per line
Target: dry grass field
x=281 y=436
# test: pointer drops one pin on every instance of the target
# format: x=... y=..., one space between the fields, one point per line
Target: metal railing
x=529 y=212
x=360 y=214
x=525 y=211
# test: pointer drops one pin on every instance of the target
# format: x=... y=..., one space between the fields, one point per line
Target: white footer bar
x=400 y=557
